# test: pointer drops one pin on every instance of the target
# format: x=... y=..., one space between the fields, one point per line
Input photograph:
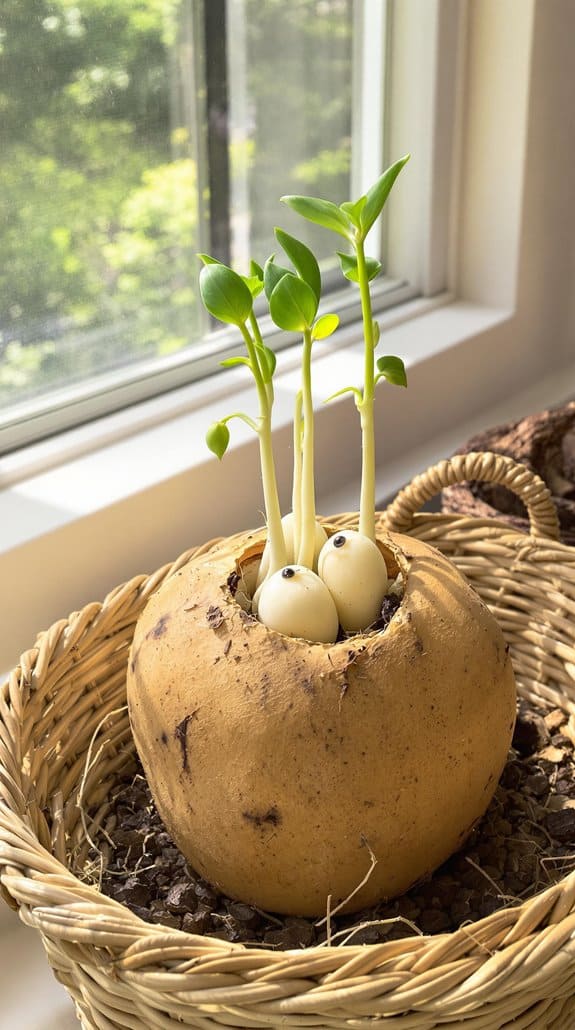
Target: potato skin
x=278 y=765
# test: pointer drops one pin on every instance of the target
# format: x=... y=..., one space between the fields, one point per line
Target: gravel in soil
x=524 y=843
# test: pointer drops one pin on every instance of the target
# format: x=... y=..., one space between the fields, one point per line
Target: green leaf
x=208 y=260
x=378 y=194
x=293 y=304
x=392 y=369
x=345 y=389
x=218 y=438
x=225 y=294
x=272 y=275
x=302 y=259
x=354 y=209
x=376 y=333
x=267 y=363
x=230 y=362
x=325 y=326
x=321 y=212
x=254 y=284
x=348 y=264
x=256 y=270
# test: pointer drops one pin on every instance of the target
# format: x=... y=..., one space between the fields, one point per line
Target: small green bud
x=376 y=333
x=218 y=438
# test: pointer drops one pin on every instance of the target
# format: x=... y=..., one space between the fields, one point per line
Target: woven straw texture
x=64 y=734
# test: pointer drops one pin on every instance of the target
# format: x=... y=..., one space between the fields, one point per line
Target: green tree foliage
x=99 y=197
x=299 y=76
x=98 y=226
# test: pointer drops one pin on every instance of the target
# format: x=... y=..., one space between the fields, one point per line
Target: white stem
x=271 y=499
x=297 y=473
x=367 y=497
x=307 y=534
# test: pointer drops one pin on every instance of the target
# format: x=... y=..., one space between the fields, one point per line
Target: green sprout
x=294 y=301
x=229 y=297
x=293 y=298
x=353 y=221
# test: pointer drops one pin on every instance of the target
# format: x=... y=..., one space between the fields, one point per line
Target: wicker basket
x=64 y=735
x=545 y=443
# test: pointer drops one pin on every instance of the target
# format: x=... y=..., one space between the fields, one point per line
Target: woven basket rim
x=69 y=912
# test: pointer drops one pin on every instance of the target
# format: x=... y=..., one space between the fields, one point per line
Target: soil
x=524 y=843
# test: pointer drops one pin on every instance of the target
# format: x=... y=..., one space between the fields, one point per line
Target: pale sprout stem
x=307 y=532
x=271 y=500
x=297 y=473
x=276 y=541
x=367 y=494
x=260 y=343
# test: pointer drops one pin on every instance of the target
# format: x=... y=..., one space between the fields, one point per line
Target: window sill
x=88 y=510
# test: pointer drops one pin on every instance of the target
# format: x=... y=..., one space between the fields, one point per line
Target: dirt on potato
x=524 y=843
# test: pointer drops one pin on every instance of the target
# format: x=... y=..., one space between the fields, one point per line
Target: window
x=139 y=132
x=98 y=505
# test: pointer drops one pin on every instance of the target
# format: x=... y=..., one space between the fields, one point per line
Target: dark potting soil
x=524 y=843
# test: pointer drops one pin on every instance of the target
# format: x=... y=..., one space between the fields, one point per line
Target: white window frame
x=95 y=506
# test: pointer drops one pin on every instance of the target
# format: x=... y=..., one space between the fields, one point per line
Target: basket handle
x=480 y=466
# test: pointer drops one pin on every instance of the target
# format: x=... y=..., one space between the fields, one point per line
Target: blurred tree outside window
x=136 y=133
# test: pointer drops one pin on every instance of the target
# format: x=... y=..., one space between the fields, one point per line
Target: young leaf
x=272 y=275
x=293 y=304
x=302 y=259
x=208 y=260
x=348 y=264
x=345 y=389
x=218 y=438
x=354 y=209
x=267 y=362
x=225 y=294
x=376 y=333
x=230 y=362
x=392 y=369
x=255 y=280
x=378 y=194
x=254 y=284
x=322 y=212
x=325 y=326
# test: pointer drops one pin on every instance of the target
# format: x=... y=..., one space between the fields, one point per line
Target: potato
x=280 y=767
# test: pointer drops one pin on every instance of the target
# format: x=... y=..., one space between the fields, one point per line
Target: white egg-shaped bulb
x=296 y=602
x=354 y=571
x=288 y=532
